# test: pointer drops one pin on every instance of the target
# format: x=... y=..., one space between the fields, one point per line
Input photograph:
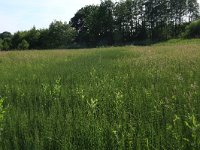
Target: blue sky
x=23 y=14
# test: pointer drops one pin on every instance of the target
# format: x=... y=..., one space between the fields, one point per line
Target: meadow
x=105 y=98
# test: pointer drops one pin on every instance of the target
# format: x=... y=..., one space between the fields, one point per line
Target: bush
x=6 y=44
x=193 y=30
x=1 y=44
x=23 y=45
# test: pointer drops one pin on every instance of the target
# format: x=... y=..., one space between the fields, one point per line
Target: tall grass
x=109 y=98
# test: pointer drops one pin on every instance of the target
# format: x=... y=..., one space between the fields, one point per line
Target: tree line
x=58 y=35
x=123 y=22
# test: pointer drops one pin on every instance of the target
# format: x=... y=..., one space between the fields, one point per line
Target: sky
x=17 y=15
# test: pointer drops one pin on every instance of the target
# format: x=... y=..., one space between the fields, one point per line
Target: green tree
x=193 y=30
x=7 y=44
x=130 y=23
x=61 y=35
x=43 y=42
x=32 y=37
x=1 y=44
x=17 y=38
x=24 y=45
x=123 y=13
x=5 y=35
x=156 y=13
x=86 y=23
x=106 y=22
x=178 y=11
x=192 y=10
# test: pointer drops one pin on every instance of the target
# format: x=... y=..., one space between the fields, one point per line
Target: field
x=106 y=98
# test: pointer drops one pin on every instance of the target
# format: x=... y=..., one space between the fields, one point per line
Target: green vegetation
x=180 y=41
x=106 y=98
x=23 y=45
x=2 y=111
x=193 y=30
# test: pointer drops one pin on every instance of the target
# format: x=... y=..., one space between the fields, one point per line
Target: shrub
x=1 y=44
x=6 y=44
x=193 y=30
x=23 y=45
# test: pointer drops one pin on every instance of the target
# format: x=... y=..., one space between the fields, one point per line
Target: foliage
x=1 y=44
x=17 y=38
x=61 y=35
x=106 y=22
x=193 y=10
x=85 y=21
x=24 y=45
x=193 y=30
x=134 y=20
x=7 y=43
x=5 y=35
x=32 y=37
x=43 y=41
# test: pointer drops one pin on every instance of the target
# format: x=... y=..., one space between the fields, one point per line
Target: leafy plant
x=193 y=30
x=23 y=45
